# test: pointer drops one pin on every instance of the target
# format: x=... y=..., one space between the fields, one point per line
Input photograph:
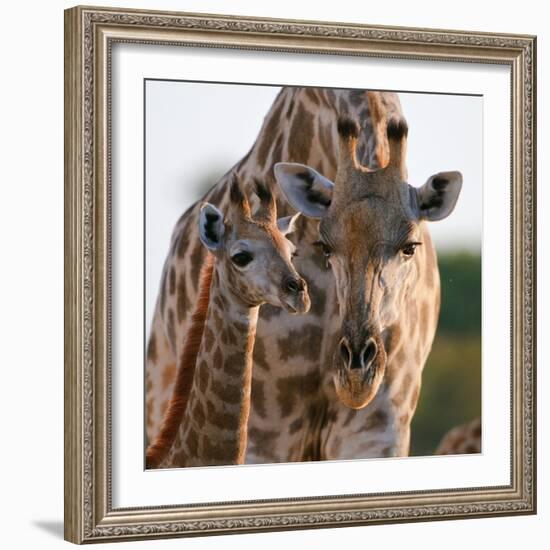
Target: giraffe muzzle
x=359 y=370
x=295 y=298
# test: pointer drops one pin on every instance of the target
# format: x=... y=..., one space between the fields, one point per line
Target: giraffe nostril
x=345 y=352
x=292 y=285
x=369 y=352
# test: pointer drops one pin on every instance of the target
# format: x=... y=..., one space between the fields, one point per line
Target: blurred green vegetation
x=451 y=381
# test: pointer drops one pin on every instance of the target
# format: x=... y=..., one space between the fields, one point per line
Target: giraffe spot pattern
x=386 y=451
x=312 y=96
x=203 y=375
x=327 y=143
x=152 y=348
x=264 y=439
x=227 y=392
x=268 y=312
x=401 y=356
x=171 y=328
x=350 y=415
x=198 y=414
x=218 y=358
x=222 y=419
x=259 y=354
x=207 y=339
x=376 y=421
x=276 y=154
x=213 y=453
x=168 y=375
x=291 y=389
x=228 y=336
x=299 y=142
x=268 y=132
x=149 y=412
x=318 y=298
x=414 y=397
x=192 y=442
x=290 y=107
x=182 y=244
x=172 y=281
x=258 y=397
x=221 y=302
x=399 y=398
x=182 y=301
x=304 y=342
x=163 y=292
x=296 y=425
x=218 y=321
x=232 y=364
x=357 y=97
x=335 y=446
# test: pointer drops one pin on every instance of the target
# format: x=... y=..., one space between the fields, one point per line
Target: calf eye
x=409 y=249
x=242 y=258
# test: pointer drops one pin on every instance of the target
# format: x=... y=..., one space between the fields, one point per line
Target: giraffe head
x=252 y=253
x=370 y=229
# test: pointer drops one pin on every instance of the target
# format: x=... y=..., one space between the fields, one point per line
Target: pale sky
x=196 y=131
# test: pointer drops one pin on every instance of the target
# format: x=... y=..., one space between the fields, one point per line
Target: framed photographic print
x=300 y=274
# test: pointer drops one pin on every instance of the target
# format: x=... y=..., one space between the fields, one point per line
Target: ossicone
x=397 y=128
x=348 y=128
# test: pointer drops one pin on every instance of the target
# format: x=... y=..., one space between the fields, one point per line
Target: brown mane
x=157 y=451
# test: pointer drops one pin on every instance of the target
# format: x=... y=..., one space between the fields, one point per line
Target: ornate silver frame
x=89 y=35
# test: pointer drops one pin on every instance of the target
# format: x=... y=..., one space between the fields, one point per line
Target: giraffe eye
x=325 y=249
x=409 y=249
x=242 y=259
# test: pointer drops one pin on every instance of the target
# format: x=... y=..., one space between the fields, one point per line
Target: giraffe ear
x=305 y=189
x=437 y=197
x=211 y=226
x=287 y=224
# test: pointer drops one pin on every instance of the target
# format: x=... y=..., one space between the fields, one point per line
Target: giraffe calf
x=206 y=422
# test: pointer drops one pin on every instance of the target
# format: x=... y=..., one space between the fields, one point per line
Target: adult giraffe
x=295 y=414
x=373 y=233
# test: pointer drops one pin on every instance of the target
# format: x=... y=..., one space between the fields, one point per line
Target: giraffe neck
x=213 y=430
x=300 y=127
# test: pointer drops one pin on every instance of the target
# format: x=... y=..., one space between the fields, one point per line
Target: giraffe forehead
x=363 y=223
x=259 y=232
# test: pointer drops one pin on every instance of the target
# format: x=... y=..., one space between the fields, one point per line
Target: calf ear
x=304 y=188
x=211 y=226
x=437 y=197
x=287 y=224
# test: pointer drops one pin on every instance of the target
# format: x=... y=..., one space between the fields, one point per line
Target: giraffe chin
x=356 y=388
x=297 y=304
